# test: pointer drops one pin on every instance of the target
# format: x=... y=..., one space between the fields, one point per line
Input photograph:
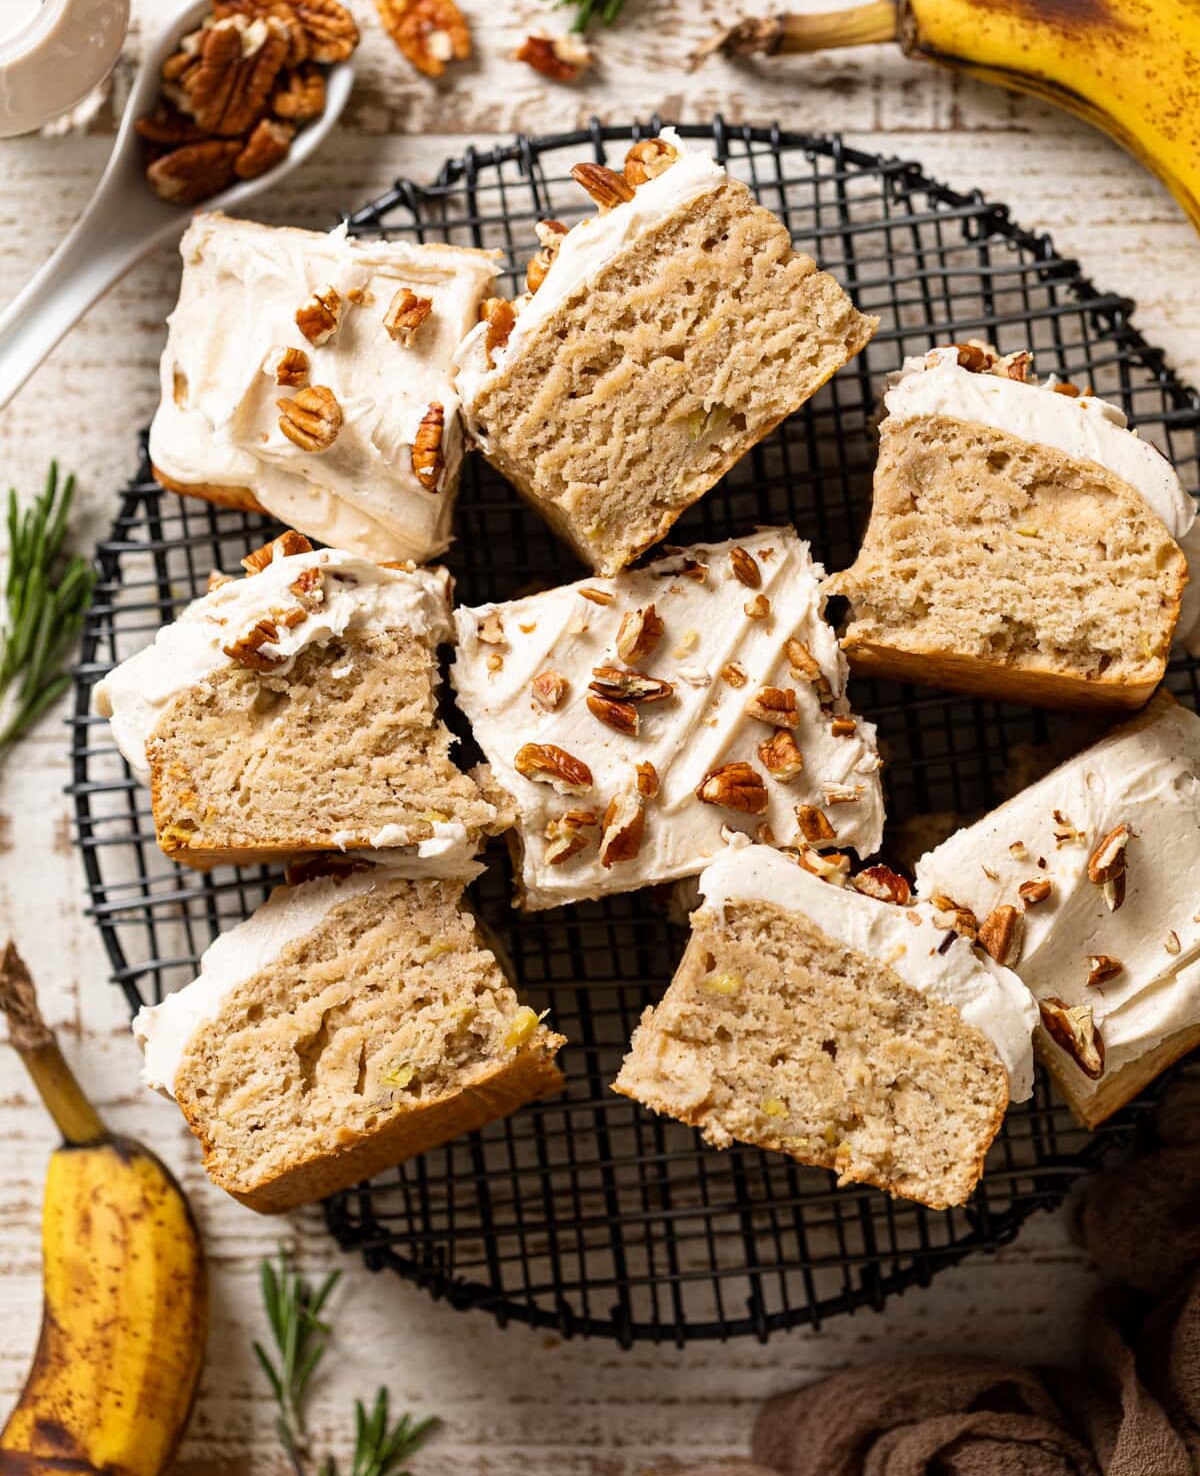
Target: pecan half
x=238 y=61
x=647 y=159
x=623 y=716
x=606 y=187
x=549 y=690
x=736 y=786
x=814 y=824
x=628 y=686
x=313 y=420
x=430 y=33
x=167 y=128
x=1102 y=967
x=561 y=58
x=758 y=608
x=1000 y=934
x=550 y=234
x=428 y=462
x=647 y=780
x=624 y=826
x=639 y=634
x=287 y=544
x=1036 y=890
x=267 y=146
x=774 y=705
x=299 y=47
x=291 y=371
x=569 y=834
x=405 y=314
x=884 y=884
x=320 y=316
x=780 y=756
x=548 y=764
x=299 y=95
x=195 y=172
x=332 y=34
x=745 y=568
x=1074 y=1029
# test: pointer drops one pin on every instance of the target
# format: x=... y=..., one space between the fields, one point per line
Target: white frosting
x=1146 y=775
x=700 y=727
x=907 y=939
x=1086 y=428
x=164 y=1030
x=585 y=250
x=218 y=422
x=358 y=596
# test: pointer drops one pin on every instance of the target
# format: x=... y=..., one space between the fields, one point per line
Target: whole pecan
x=606 y=187
x=647 y=159
x=312 y=420
x=561 y=58
x=299 y=95
x=267 y=146
x=430 y=33
x=736 y=786
x=428 y=460
x=235 y=71
x=1074 y=1029
x=193 y=173
x=549 y=764
x=405 y=314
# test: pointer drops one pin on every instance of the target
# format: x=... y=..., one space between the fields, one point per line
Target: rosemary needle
x=301 y=1338
x=605 y=11
x=45 y=597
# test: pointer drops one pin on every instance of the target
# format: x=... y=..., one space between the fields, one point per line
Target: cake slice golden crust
x=652 y=379
x=773 y=1034
x=240 y=497
x=996 y=566
x=383 y=1033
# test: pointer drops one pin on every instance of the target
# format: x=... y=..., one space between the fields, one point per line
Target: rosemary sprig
x=605 y=11
x=45 y=599
x=301 y=1338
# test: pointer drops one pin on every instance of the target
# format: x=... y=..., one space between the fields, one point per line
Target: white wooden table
x=511 y=1401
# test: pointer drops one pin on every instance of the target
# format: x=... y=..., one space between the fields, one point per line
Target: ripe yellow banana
x=1130 y=67
x=125 y=1312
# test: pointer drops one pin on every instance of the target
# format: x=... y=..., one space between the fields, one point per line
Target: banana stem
x=776 y=35
x=34 y=1042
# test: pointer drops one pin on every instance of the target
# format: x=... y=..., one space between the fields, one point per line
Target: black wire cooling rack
x=584 y=1213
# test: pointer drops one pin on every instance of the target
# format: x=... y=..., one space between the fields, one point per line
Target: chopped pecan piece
x=624 y=826
x=1000 y=934
x=884 y=884
x=216 y=579
x=1074 y=1029
x=320 y=316
x=734 y=673
x=292 y=369
x=430 y=33
x=405 y=314
x=843 y=727
x=780 y=756
x=745 y=568
x=774 y=705
x=961 y=919
x=550 y=234
x=974 y=357
x=1036 y=890
x=606 y=187
x=247 y=649
x=195 y=172
x=647 y=781
x=561 y=58
x=313 y=420
x=736 y=786
x=830 y=866
x=814 y=824
x=628 y=686
x=596 y=596
x=491 y=629
x=283 y=547
x=238 y=60
x=428 y=461
x=647 y=159
x=640 y=633
x=548 y=764
x=309 y=587
x=1102 y=967
x=299 y=96
x=267 y=146
x=1066 y=832
x=623 y=716
x=1106 y=865
x=806 y=668
x=549 y=690
x=569 y=834
x=501 y=317
x=1014 y=366
x=758 y=608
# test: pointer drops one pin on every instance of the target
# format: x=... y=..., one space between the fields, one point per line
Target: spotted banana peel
x=1130 y=67
x=125 y=1308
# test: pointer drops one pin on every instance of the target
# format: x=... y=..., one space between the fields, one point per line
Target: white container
x=52 y=53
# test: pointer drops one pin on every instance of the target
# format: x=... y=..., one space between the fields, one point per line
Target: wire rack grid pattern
x=584 y=1213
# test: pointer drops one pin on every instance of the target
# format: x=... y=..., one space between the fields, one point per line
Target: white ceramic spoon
x=124 y=220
